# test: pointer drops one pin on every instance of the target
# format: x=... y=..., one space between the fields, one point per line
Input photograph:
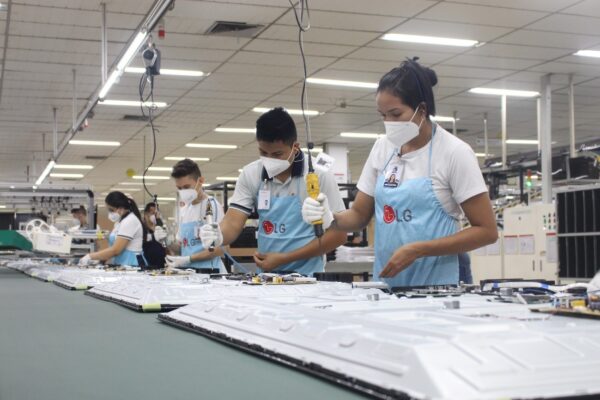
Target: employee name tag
x=197 y=229
x=264 y=199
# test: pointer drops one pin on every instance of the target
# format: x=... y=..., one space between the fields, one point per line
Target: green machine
x=13 y=240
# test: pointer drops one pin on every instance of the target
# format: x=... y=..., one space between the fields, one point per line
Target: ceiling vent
x=234 y=29
x=135 y=117
x=96 y=157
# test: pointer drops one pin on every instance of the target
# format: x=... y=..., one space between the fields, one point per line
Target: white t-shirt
x=455 y=171
x=250 y=180
x=196 y=212
x=130 y=228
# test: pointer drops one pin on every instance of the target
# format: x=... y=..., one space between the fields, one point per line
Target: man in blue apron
x=275 y=187
x=193 y=207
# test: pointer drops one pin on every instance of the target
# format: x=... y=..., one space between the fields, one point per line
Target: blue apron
x=407 y=212
x=189 y=234
x=281 y=229
x=127 y=257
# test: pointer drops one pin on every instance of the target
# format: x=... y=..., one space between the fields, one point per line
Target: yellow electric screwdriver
x=312 y=187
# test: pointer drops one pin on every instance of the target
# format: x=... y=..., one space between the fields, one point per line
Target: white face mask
x=114 y=216
x=275 y=166
x=153 y=219
x=75 y=222
x=401 y=132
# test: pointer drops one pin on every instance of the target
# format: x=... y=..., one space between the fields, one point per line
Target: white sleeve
x=129 y=228
x=465 y=176
x=368 y=177
x=244 y=196
x=329 y=187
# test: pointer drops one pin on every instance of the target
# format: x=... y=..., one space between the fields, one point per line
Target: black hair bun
x=431 y=75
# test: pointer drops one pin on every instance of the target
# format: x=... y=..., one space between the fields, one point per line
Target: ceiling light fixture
x=136 y=183
x=521 y=141
x=151 y=177
x=167 y=71
x=588 y=53
x=361 y=135
x=289 y=111
x=504 y=92
x=443 y=41
x=442 y=118
x=132 y=103
x=178 y=158
x=61 y=175
x=160 y=169
x=211 y=146
x=94 y=143
x=336 y=82
x=73 y=166
x=45 y=173
x=227 y=178
x=235 y=130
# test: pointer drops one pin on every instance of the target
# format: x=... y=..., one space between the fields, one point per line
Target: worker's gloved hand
x=159 y=233
x=85 y=260
x=211 y=234
x=317 y=209
x=178 y=261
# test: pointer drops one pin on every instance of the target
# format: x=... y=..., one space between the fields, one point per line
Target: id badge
x=264 y=199
x=197 y=229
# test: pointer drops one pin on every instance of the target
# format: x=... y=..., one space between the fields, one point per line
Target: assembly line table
x=60 y=344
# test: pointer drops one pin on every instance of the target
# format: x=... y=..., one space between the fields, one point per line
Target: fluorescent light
x=2 y=206
x=361 y=135
x=94 y=143
x=504 y=92
x=227 y=178
x=166 y=71
x=166 y=198
x=211 y=146
x=588 y=53
x=132 y=103
x=483 y=155
x=160 y=169
x=57 y=175
x=314 y=150
x=441 y=118
x=521 y=141
x=289 y=111
x=235 y=130
x=336 y=82
x=399 y=37
x=151 y=177
x=73 y=166
x=44 y=174
x=125 y=189
x=240 y=170
x=177 y=158
x=109 y=83
x=132 y=50
x=137 y=183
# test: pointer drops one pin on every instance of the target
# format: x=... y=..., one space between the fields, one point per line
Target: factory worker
x=275 y=187
x=127 y=236
x=418 y=180
x=193 y=207
x=79 y=218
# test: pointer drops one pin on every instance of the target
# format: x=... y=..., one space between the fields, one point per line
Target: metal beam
x=546 y=137
x=5 y=49
x=504 y=155
x=158 y=10
x=104 y=45
x=571 y=117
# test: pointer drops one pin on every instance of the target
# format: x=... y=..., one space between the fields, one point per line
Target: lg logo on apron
x=269 y=227
x=390 y=215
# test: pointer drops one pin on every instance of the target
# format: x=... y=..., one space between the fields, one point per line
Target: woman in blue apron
x=418 y=181
x=127 y=237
